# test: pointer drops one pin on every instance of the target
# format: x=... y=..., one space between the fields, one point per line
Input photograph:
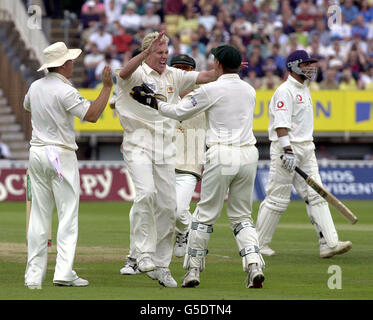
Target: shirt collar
x=229 y=76
x=296 y=83
x=59 y=76
x=148 y=70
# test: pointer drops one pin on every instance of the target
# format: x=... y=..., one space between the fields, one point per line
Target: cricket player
x=190 y=147
x=231 y=162
x=150 y=154
x=53 y=166
x=291 y=134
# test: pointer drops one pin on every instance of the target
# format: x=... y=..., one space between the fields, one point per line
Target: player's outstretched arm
x=98 y=106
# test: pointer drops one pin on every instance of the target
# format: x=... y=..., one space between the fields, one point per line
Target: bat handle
x=299 y=171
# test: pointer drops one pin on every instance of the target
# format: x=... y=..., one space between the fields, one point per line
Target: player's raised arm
x=136 y=61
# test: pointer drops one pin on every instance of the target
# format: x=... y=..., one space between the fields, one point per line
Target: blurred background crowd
x=265 y=31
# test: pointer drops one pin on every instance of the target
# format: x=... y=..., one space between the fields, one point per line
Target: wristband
x=284 y=141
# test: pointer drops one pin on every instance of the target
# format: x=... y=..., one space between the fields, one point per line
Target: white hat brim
x=72 y=54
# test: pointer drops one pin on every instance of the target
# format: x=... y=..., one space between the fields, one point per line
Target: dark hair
x=53 y=69
x=230 y=70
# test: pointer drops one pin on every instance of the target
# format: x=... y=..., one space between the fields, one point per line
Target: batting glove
x=289 y=160
x=144 y=95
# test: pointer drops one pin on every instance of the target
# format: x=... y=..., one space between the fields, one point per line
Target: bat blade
x=336 y=203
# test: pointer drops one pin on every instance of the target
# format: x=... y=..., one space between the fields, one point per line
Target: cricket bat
x=347 y=213
x=28 y=209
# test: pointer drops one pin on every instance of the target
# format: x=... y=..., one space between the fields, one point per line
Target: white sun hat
x=57 y=54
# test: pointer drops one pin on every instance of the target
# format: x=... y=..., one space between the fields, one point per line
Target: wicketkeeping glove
x=289 y=160
x=144 y=95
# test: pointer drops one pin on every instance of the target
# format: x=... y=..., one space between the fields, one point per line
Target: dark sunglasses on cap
x=183 y=67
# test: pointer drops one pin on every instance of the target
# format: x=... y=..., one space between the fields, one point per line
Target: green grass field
x=296 y=272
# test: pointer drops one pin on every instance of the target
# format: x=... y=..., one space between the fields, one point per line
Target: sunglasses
x=183 y=67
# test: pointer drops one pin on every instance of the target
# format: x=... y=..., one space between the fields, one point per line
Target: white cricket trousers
x=47 y=190
x=152 y=215
x=278 y=191
x=185 y=186
x=234 y=169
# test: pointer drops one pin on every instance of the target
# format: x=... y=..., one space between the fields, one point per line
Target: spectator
x=203 y=35
x=255 y=63
x=336 y=65
x=347 y=81
x=366 y=10
x=329 y=82
x=280 y=60
x=367 y=78
x=187 y=24
x=337 y=49
x=101 y=38
x=140 y=7
x=292 y=44
x=173 y=6
x=130 y=19
x=113 y=12
x=258 y=44
x=207 y=19
x=198 y=57
x=113 y=63
x=93 y=6
x=359 y=28
x=355 y=62
x=4 y=151
x=91 y=61
x=302 y=36
x=150 y=21
x=270 y=80
x=89 y=17
x=241 y=26
x=250 y=11
x=278 y=36
x=349 y=11
x=122 y=40
x=322 y=31
x=253 y=79
x=305 y=13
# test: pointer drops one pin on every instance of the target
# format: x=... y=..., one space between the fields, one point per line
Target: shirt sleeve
x=192 y=104
x=26 y=102
x=186 y=80
x=282 y=109
x=74 y=103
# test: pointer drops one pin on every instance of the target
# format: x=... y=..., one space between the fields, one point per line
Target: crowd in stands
x=338 y=33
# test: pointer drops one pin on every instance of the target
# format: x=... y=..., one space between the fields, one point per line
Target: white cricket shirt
x=291 y=108
x=135 y=117
x=53 y=103
x=229 y=104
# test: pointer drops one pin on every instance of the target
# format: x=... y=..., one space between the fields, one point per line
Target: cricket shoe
x=341 y=247
x=180 y=244
x=78 y=282
x=164 y=277
x=255 y=276
x=191 y=278
x=34 y=286
x=267 y=251
x=145 y=263
x=130 y=267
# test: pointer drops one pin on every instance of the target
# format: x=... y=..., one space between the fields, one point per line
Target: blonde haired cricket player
x=290 y=131
x=150 y=154
x=53 y=166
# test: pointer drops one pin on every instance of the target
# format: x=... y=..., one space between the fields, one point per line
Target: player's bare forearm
x=206 y=76
x=281 y=132
x=98 y=106
x=132 y=65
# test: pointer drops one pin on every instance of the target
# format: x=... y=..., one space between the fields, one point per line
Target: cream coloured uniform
x=54 y=174
x=190 y=148
x=149 y=153
x=291 y=108
x=231 y=163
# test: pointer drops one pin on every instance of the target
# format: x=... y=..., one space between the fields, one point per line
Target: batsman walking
x=291 y=134
x=53 y=166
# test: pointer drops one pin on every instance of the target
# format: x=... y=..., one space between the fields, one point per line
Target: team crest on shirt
x=170 y=89
x=299 y=98
x=193 y=101
x=280 y=105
